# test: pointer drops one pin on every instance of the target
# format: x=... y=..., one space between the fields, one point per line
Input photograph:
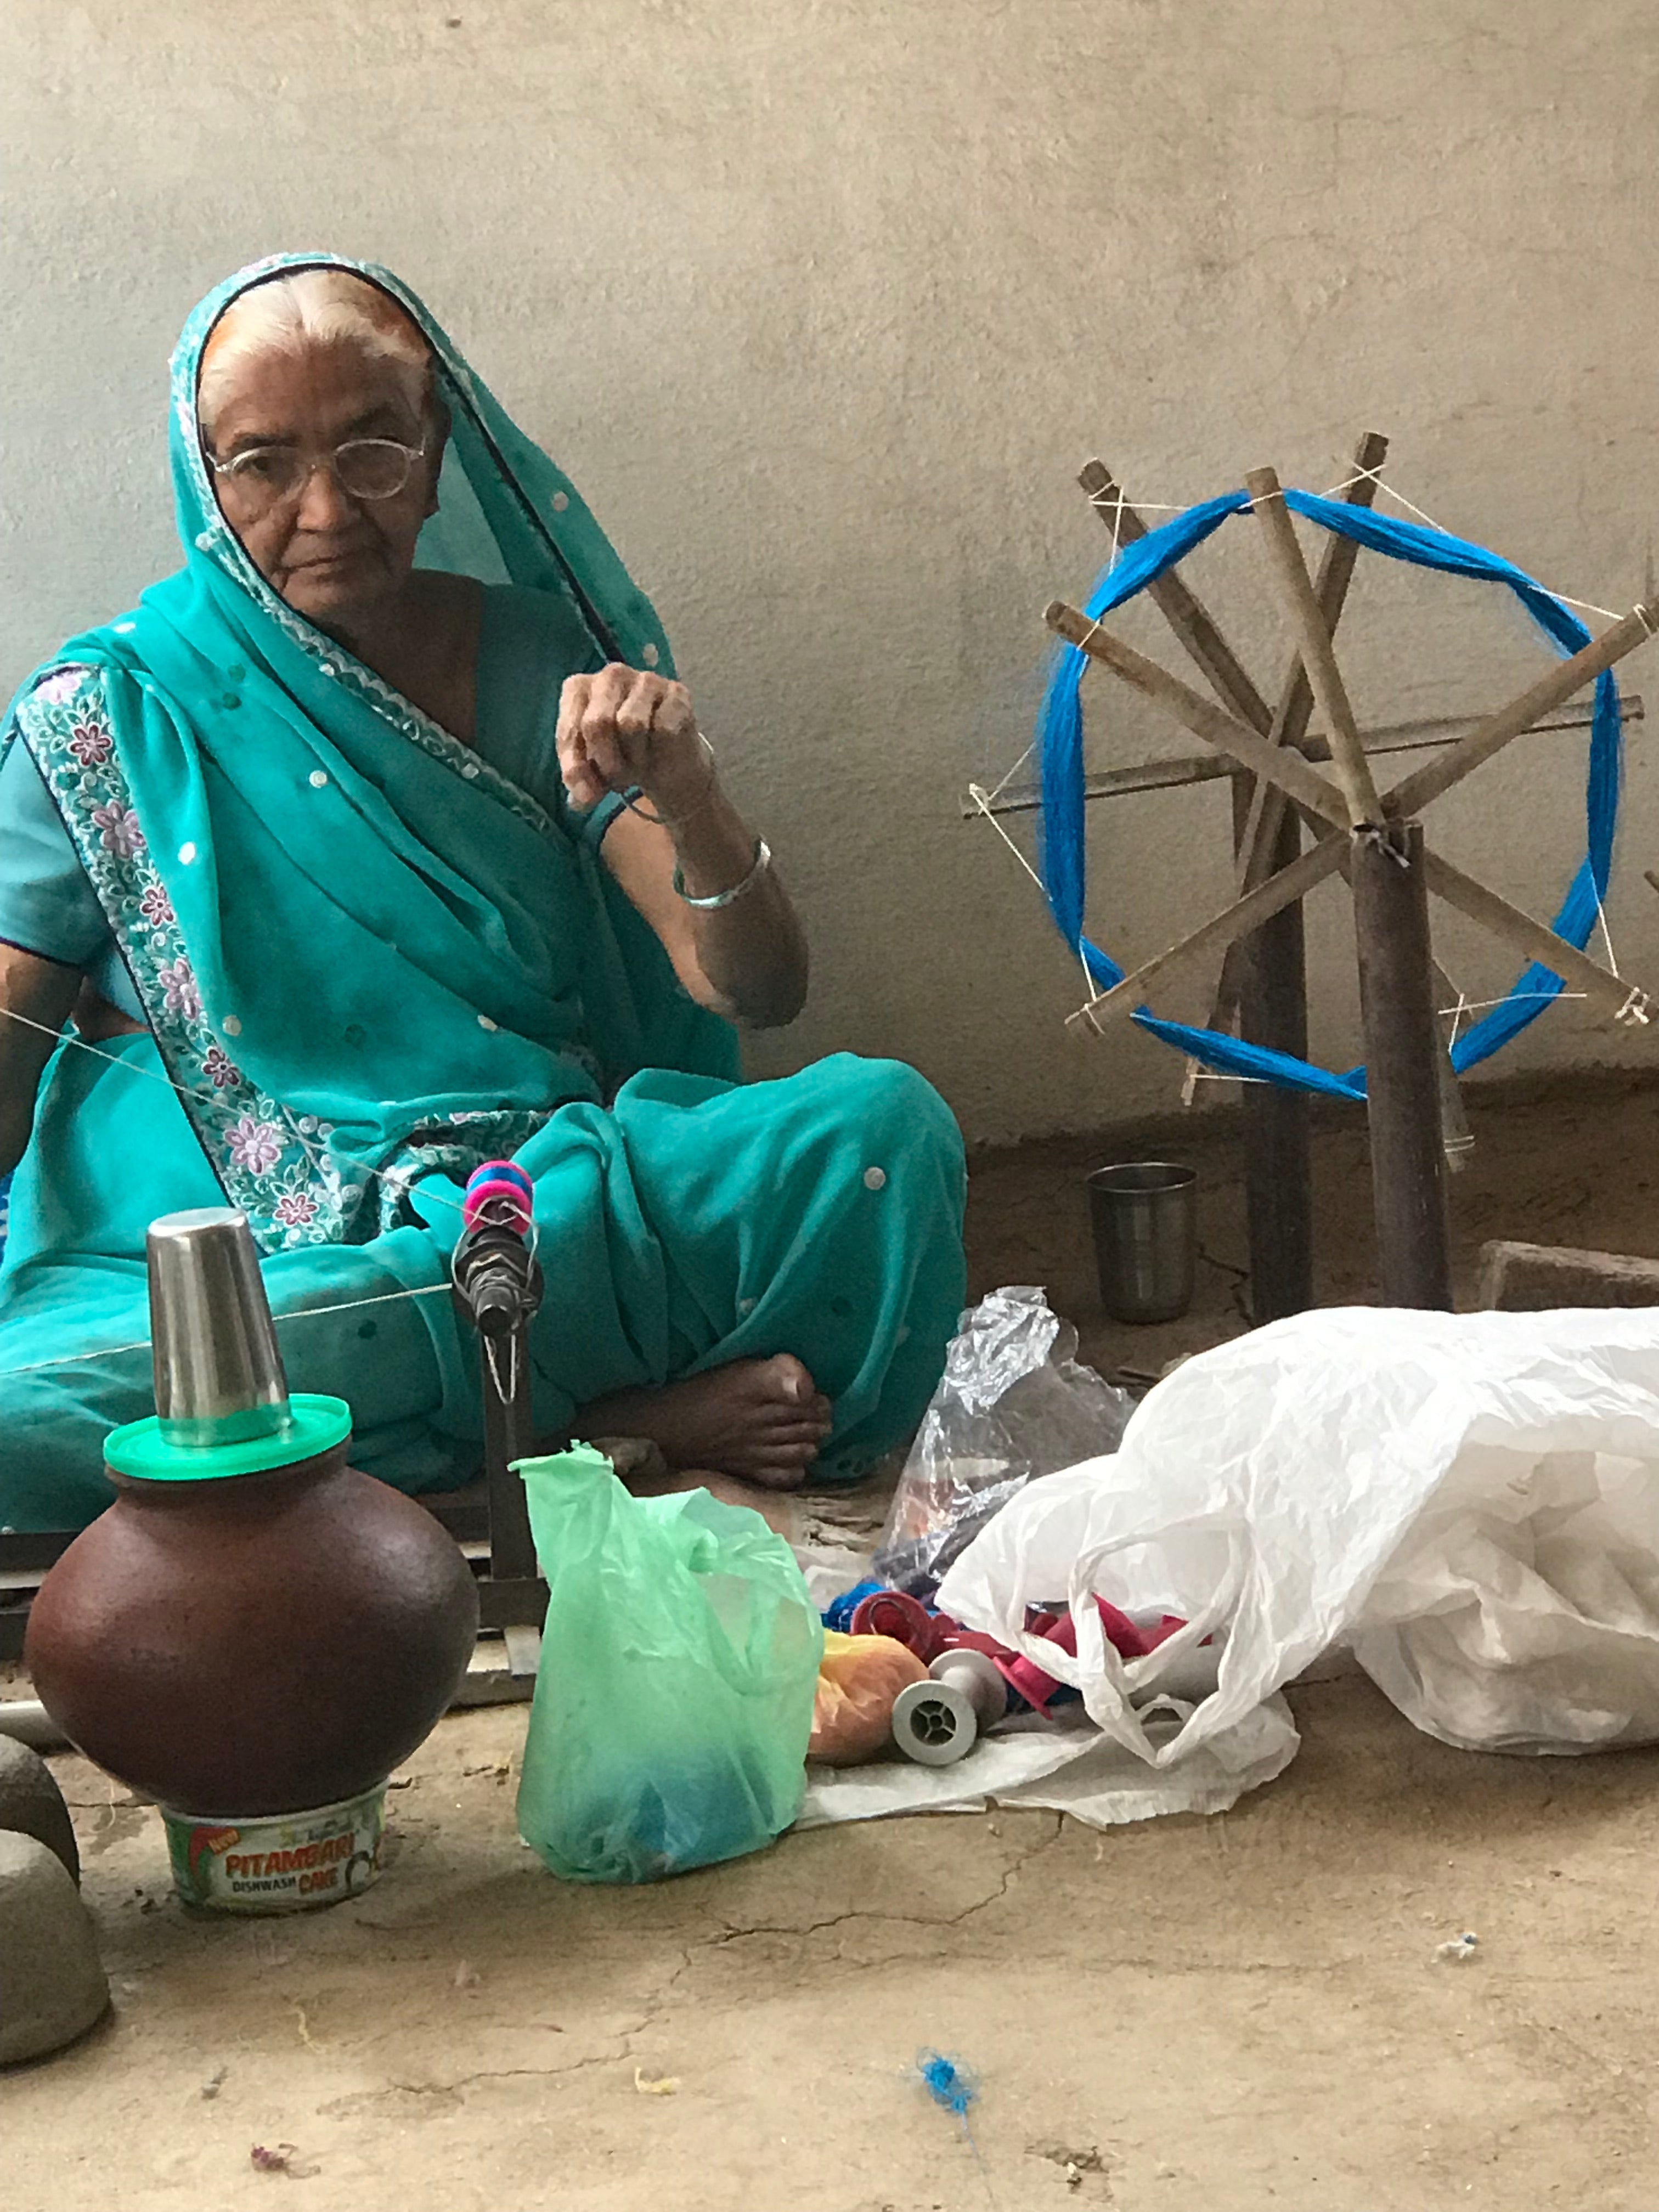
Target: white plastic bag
x=1014 y=1402
x=1472 y=1501
x=1067 y=1767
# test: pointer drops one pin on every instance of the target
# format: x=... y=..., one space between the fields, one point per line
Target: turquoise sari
x=369 y=957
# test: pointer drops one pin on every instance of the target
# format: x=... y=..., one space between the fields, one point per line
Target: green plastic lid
x=316 y=1424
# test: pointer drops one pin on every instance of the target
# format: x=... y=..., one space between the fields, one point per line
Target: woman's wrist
x=675 y=804
x=760 y=860
x=713 y=849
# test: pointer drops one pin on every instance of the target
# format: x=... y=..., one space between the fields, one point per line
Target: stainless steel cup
x=1145 y=1215
x=218 y=1376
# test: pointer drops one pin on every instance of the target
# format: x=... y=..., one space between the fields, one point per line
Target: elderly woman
x=379 y=841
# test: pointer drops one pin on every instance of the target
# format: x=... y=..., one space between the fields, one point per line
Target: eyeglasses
x=265 y=476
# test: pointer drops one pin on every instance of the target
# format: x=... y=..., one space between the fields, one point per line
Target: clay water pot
x=265 y=1642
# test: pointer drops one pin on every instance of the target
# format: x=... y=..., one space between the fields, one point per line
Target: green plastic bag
x=678 y=1669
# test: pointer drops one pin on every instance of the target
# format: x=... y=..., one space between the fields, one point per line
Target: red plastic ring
x=906 y=1620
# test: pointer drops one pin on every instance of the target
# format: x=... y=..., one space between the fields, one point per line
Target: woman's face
x=338 y=561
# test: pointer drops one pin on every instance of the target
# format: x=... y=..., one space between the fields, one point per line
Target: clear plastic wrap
x=1014 y=1403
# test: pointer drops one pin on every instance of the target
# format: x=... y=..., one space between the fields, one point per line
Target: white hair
x=311 y=306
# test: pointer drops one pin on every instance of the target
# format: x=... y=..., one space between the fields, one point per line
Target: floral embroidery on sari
x=283 y=1170
x=291 y=1193
x=296 y=1178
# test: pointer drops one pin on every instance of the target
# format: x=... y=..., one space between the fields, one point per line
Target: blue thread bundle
x=954 y=2087
x=948 y=2082
x=838 y=1613
x=1059 y=742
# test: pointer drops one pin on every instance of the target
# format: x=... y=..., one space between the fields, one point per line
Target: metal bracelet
x=705 y=797
x=762 y=861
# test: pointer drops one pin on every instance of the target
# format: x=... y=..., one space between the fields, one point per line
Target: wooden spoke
x=1295 y=703
x=1285 y=767
x=1318 y=655
x=1438 y=777
x=1236 y=921
x=1181 y=608
x=1428 y=733
x=1533 y=939
x=1260 y=840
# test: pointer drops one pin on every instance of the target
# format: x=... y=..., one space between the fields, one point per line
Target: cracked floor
x=1237 y=2014
x=1240 y=2014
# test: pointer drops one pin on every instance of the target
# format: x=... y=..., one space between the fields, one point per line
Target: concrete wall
x=823 y=303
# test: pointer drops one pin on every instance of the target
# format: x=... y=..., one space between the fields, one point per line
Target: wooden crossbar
x=1427 y=733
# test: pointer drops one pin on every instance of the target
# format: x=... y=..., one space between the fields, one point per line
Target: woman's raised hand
x=625 y=729
x=687 y=859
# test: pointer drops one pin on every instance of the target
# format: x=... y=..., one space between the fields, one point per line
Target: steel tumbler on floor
x=1146 y=1223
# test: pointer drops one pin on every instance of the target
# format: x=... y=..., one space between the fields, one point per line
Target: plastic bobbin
x=938 y=1721
x=905 y=1619
x=503 y=1172
x=498 y=1195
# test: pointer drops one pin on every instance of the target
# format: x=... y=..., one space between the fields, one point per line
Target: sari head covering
x=363 y=952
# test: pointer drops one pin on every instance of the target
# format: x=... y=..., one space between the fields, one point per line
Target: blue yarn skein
x=1061 y=844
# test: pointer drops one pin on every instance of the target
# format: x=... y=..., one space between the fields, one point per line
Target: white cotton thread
x=1480 y=1006
x=1606 y=934
x=391 y=1178
x=997 y=789
x=1585 y=606
x=982 y=800
x=1116 y=500
x=300 y=1313
x=1457 y=1013
x=503 y=1396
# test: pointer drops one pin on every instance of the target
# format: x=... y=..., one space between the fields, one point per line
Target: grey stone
x=1518 y=1278
x=31 y=1804
x=51 y=1984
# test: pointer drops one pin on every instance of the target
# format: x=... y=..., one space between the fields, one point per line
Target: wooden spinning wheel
x=1371 y=835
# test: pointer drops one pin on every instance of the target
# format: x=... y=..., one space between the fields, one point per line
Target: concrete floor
x=1240 y=2013
x=1556 y=1160
x=1236 y=2014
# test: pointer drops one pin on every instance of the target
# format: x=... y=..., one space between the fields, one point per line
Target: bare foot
x=761 y=1419
x=779 y=1509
